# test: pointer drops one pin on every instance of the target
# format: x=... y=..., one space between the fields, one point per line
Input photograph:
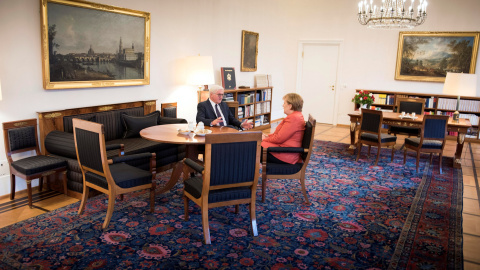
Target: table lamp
x=200 y=71
x=0 y=89
x=460 y=84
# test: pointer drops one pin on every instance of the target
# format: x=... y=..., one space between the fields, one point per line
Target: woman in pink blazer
x=289 y=133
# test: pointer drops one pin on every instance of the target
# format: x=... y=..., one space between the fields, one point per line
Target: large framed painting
x=85 y=45
x=428 y=56
x=249 y=51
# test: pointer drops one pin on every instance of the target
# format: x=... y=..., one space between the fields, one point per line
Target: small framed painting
x=88 y=45
x=428 y=56
x=249 y=51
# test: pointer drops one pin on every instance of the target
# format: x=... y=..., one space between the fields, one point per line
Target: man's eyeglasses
x=220 y=95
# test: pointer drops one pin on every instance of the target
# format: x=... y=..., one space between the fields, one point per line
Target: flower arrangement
x=363 y=97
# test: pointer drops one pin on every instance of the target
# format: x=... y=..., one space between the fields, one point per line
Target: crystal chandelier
x=392 y=14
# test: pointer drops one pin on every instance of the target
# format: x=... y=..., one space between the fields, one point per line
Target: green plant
x=363 y=97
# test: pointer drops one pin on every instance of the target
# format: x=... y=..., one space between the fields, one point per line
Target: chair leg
x=237 y=209
x=304 y=189
x=86 y=190
x=111 y=206
x=12 y=186
x=253 y=218
x=40 y=183
x=264 y=183
x=378 y=154
x=359 y=149
x=404 y=156
x=152 y=198
x=64 y=180
x=431 y=158
x=185 y=207
x=440 y=162
x=206 y=228
x=369 y=148
x=393 y=153
x=120 y=197
x=418 y=160
x=29 y=191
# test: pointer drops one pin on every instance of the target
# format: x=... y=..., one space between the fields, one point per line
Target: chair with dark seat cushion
x=291 y=171
x=112 y=177
x=408 y=105
x=169 y=109
x=21 y=136
x=229 y=177
x=370 y=133
x=432 y=138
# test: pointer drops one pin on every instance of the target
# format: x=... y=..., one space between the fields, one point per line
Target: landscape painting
x=428 y=56
x=86 y=44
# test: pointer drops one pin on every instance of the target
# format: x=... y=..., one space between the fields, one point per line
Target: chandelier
x=392 y=14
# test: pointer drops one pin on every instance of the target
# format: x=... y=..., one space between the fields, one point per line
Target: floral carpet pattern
x=361 y=217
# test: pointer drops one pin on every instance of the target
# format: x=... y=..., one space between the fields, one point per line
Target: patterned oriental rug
x=362 y=217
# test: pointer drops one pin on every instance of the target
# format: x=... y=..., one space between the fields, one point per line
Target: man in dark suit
x=214 y=112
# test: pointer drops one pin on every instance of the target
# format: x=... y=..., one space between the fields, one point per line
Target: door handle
x=333 y=87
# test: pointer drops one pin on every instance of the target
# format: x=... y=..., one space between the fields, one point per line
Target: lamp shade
x=200 y=70
x=0 y=89
x=460 y=84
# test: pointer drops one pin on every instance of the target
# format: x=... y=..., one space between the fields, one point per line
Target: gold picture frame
x=249 y=51
x=428 y=56
x=87 y=45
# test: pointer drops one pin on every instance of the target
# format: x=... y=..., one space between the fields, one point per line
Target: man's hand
x=246 y=125
x=217 y=121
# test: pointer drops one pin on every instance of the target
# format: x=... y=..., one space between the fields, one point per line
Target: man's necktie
x=219 y=115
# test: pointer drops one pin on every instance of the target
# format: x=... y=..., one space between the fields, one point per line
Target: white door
x=318 y=79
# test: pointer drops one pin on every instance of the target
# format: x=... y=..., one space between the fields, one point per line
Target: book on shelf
x=228 y=77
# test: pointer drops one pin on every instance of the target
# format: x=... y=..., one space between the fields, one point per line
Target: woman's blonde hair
x=295 y=100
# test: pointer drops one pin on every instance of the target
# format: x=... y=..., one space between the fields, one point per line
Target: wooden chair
x=22 y=136
x=229 y=177
x=169 y=109
x=290 y=171
x=112 y=177
x=370 y=133
x=233 y=106
x=408 y=105
x=432 y=138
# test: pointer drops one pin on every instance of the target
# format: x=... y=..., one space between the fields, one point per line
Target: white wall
x=182 y=28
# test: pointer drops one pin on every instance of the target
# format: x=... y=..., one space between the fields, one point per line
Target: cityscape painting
x=86 y=45
x=428 y=56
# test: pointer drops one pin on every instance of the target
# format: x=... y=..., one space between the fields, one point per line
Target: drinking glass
x=191 y=126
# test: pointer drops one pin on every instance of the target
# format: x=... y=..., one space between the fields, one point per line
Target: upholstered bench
x=122 y=126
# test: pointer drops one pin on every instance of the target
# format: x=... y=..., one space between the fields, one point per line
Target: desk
x=393 y=119
x=169 y=134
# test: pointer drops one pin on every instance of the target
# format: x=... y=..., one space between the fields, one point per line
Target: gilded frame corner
x=249 y=51
x=53 y=81
x=401 y=72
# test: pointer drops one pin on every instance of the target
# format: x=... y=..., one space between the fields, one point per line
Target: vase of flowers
x=364 y=99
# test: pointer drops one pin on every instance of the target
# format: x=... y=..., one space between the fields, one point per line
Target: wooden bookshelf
x=434 y=104
x=254 y=104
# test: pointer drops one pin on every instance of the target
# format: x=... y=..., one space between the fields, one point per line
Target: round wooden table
x=169 y=134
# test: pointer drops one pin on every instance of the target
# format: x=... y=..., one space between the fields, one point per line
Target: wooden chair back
x=169 y=109
x=20 y=136
x=91 y=149
x=409 y=105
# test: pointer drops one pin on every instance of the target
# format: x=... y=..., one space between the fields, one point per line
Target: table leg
x=190 y=152
x=457 y=161
x=352 y=147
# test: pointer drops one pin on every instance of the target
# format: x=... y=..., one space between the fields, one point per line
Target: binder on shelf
x=228 y=77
